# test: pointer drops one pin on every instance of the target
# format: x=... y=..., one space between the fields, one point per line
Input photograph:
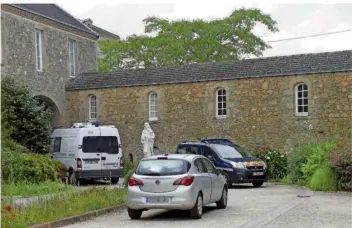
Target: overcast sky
x=293 y=19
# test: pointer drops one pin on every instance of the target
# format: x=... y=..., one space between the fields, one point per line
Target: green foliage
x=28 y=167
x=61 y=206
x=127 y=166
x=341 y=161
x=296 y=159
x=323 y=179
x=23 y=118
x=126 y=177
x=317 y=158
x=276 y=161
x=174 y=43
x=29 y=189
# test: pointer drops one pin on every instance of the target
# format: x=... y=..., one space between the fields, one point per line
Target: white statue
x=147 y=140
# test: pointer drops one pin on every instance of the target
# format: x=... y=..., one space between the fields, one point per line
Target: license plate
x=158 y=199
x=258 y=173
x=91 y=162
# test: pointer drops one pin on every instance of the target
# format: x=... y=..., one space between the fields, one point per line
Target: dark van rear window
x=163 y=167
x=103 y=144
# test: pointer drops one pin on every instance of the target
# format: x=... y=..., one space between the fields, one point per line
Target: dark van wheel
x=114 y=180
x=222 y=203
x=257 y=183
x=134 y=214
x=197 y=211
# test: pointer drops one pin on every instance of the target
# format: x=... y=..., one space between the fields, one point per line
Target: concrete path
x=271 y=206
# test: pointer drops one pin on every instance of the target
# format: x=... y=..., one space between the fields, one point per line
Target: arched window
x=221 y=108
x=92 y=107
x=302 y=99
x=153 y=106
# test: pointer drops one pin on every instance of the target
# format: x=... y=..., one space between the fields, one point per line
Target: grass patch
x=30 y=189
x=75 y=203
x=324 y=179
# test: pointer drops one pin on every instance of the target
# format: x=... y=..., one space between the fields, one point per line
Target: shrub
x=317 y=158
x=341 y=161
x=323 y=179
x=33 y=168
x=127 y=166
x=276 y=161
x=296 y=159
x=126 y=177
x=24 y=119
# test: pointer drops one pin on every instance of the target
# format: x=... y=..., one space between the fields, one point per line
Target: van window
x=105 y=144
x=57 y=144
x=187 y=149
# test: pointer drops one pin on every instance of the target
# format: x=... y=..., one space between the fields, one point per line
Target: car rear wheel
x=257 y=183
x=197 y=210
x=134 y=214
x=114 y=180
x=222 y=203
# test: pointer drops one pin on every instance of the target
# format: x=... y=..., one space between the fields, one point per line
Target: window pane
x=90 y=144
x=299 y=94
x=299 y=101
x=163 y=167
x=219 y=98
x=219 y=105
x=109 y=144
x=300 y=109
x=305 y=109
x=224 y=98
x=220 y=92
x=224 y=105
x=305 y=93
x=299 y=88
x=224 y=112
x=305 y=87
x=223 y=92
x=305 y=101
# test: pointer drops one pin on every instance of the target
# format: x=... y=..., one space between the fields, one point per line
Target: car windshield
x=241 y=150
x=227 y=152
x=163 y=167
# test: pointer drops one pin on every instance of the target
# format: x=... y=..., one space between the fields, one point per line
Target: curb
x=79 y=218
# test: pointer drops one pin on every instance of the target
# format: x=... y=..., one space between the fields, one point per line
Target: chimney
x=88 y=22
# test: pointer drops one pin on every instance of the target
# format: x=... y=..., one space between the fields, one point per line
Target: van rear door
x=91 y=154
x=111 y=152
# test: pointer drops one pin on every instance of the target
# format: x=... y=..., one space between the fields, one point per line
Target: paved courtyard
x=272 y=206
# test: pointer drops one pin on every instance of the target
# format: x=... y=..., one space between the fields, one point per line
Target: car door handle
x=103 y=158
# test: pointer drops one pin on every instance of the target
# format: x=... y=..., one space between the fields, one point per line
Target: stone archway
x=57 y=119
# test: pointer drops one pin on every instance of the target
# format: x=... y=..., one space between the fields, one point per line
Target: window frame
x=90 y=107
x=297 y=113
x=222 y=116
x=38 y=50
x=71 y=51
x=155 y=111
x=199 y=160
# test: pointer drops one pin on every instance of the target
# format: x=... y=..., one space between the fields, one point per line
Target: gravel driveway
x=270 y=206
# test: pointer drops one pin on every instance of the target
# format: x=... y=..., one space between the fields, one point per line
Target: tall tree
x=173 y=43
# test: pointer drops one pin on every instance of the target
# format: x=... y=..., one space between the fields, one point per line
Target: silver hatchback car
x=175 y=181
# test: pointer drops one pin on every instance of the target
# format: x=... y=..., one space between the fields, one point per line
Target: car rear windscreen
x=163 y=167
x=100 y=144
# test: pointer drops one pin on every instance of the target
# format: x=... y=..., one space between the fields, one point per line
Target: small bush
x=127 y=166
x=276 y=161
x=341 y=161
x=323 y=179
x=126 y=177
x=28 y=167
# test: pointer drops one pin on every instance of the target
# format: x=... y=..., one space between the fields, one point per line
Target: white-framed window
x=71 y=58
x=39 y=49
x=153 y=106
x=221 y=108
x=92 y=107
x=302 y=99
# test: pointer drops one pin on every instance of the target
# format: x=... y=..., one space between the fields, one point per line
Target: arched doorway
x=57 y=119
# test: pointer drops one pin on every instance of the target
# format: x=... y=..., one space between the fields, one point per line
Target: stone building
x=103 y=34
x=44 y=47
x=277 y=101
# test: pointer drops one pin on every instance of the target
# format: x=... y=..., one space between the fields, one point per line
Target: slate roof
x=56 y=13
x=339 y=61
x=103 y=33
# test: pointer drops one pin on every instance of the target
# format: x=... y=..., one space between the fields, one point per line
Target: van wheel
x=134 y=214
x=197 y=210
x=114 y=180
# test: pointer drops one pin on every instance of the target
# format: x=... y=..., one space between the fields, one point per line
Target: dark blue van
x=237 y=167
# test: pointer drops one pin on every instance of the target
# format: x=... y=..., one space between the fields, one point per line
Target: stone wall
x=18 y=56
x=260 y=111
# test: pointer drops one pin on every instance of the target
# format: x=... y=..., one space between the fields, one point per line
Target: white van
x=89 y=152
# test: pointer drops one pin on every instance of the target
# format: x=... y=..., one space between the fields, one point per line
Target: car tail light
x=79 y=163
x=132 y=181
x=121 y=162
x=186 y=181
